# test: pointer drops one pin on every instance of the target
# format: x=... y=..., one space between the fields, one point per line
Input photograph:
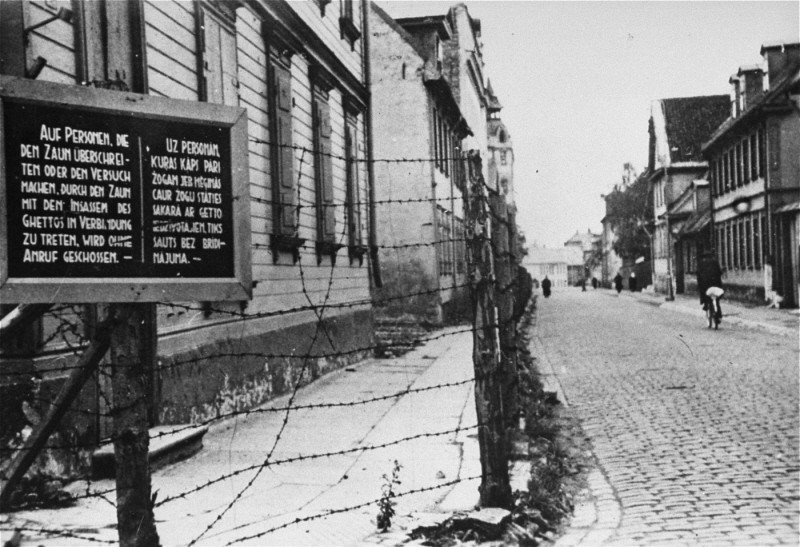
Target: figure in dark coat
x=546 y=287
x=618 y=283
x=709 y=274
x=632 y=282
x=594 y=283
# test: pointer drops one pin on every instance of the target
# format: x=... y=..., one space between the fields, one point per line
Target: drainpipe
x=670 y=291
x=373 y=224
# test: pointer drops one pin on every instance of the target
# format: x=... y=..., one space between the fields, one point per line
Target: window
x=460 y=247
x=435 y=119
x=218 y=82
x=729 y=259
x=503 y=158
x=753 y=156
x=284 y=193
x=762 y=154
x=347 y=24
x=748 y=235
x=746 y=160
x=740 y=163
x=445 y=246
x=323 y=168
x=726 y=183
x=757 y=250
x=353 y=203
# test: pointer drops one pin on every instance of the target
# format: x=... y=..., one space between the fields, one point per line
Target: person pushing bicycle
x=709 y=274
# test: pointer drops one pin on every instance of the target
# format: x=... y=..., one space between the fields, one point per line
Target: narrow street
x=694 y=430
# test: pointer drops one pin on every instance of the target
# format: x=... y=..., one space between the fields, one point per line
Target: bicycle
x=713 y=311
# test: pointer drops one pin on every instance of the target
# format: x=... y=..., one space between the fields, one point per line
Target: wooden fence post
x=505 y=308
x=131 y=363
x=495 y=489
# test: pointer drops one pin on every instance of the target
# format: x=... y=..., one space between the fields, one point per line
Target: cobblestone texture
x=695 y=430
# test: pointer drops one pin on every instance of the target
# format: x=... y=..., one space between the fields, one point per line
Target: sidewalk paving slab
x=287 y=494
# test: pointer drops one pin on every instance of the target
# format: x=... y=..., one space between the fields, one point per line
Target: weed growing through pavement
x=386 y=503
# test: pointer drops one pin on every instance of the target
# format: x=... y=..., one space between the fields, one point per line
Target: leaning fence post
x=495 y=489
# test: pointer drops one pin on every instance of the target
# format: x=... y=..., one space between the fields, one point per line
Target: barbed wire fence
x=488 y=241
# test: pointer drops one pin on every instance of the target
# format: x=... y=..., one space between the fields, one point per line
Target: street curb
x=747 y=323
x=658 y=300
x=598 y=515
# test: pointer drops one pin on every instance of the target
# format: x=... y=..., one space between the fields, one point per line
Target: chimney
x=781 y=58
x=736 y=95
x=753 y=85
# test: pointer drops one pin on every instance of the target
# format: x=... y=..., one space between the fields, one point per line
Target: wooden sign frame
x=156 y=284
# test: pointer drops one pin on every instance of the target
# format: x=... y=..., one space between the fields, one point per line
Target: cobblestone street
x=694 y=430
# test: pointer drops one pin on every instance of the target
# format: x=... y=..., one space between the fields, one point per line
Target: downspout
x=670 y=248
x=373 y=224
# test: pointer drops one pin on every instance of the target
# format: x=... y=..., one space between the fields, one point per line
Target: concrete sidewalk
x=272 y=503
x=775 y=321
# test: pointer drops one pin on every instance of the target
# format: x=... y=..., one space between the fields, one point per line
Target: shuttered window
x=219 y=81
x=283 y=180
x=353 y=186
x=323 y=163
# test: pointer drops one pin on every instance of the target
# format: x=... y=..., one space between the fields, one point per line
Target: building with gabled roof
x=755 y=179
x=678 y=127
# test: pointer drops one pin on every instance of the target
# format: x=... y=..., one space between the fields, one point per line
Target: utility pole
x=495 y=489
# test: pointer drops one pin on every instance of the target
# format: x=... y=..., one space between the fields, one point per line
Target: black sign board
x=113 y=196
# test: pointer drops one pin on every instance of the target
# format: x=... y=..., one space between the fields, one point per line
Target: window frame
x=353 y=205
x=283 y=183
x=226 y=21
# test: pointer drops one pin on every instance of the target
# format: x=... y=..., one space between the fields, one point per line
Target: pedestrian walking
x=618 y=282
x=546 y=287
x=632 y=282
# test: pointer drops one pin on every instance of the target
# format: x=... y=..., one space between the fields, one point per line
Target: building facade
x=678 y=128
x=691 y=216
x=588 y=245
x=755 y=179
x=420 y=205
x=298 y=68
x=553 y=263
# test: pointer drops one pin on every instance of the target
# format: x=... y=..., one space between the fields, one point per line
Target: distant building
x=501 y=151
x=589 y=266
x=678 y=128
x=755 y=178
x=553 y=263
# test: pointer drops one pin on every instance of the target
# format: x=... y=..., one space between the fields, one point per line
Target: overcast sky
x=576 y=80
